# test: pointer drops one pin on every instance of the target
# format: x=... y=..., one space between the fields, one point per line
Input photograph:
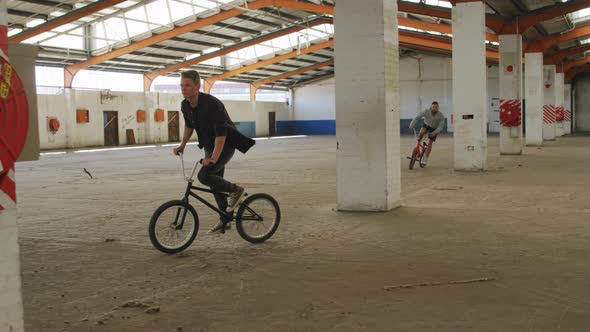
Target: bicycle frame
x=419 y=145
x=189 y=192
x=190 y=188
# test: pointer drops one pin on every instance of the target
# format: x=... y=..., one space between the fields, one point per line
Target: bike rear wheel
x=258 y=218
x=173 y=227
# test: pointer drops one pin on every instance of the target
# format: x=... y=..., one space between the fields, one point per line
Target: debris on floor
x=437 y=283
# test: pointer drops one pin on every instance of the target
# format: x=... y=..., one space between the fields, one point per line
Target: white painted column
x=367 y=105
x=567 y=104
x=11 y=306
x=559 y=92
x=511 y=94
x=71 y=126
x=549 y=104
x=534 y=97
x=469 y=87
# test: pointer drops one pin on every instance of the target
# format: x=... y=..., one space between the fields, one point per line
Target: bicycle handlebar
x=183 y=170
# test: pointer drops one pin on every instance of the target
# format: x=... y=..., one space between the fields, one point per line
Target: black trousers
x=212 y=176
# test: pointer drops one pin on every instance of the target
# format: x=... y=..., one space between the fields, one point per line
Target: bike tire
x=246 y=210
x=156 y=242
x=413 y=158
x=422 y=164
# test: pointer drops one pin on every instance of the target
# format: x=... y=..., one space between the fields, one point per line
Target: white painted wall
x=582 y=103
x=78 y=135
x=423 y=79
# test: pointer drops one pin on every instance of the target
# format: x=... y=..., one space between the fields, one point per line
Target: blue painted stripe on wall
x=328 y=127
x=247 y=128
x=306 y=127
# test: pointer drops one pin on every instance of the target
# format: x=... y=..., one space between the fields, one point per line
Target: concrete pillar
x=559 y=91
x=534 y=96
x=71 y=126
x=549 y=103
x=567 y=104
x=511 y=94
x=11 y=306
x=367 y=105
x=469 y=86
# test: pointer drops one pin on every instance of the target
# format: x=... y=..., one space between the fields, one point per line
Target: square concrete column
x=469 y=86
x=549 y=104
x=11 y=310
x=559 y=109
x=534 y=96
x=567 y=104
x=70 y=125
x=511 y=94
x=11 y=306
x=367 y=105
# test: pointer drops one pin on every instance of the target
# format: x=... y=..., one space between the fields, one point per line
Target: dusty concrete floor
x=525 y=223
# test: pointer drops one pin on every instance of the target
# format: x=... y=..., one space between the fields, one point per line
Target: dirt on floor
x=502 y=250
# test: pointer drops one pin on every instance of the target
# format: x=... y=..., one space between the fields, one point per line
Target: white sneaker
x=234 y=198
x=425 y=160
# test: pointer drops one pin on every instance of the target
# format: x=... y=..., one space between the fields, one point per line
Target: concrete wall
x=582 y=104
x=22 y=58
x=251 y=117
x=423 y=79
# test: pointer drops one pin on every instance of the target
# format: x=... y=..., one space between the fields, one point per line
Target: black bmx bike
x=175 y=224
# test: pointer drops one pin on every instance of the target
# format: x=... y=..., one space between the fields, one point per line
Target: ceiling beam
x=216 y=35
x=547 y=13
x=64 y=19
x=271 y=79
x=282 y=14
x=426 y=10
x=441 y=44
x=237 y=28
x=574 y=63
x=438 y=27
x=200 y=23
x=52 y=4
x=254 y=86
x=259 y=21
x=493 y=22
x=23 y=13
x=311 y=80
x=545 y=43
x=148 y=78
x=572 y=73
x=210 y=81
x=194 y=42
x=559 y=56
x=174 y=49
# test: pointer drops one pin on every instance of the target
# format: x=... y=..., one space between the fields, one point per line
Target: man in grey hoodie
x=434 y=122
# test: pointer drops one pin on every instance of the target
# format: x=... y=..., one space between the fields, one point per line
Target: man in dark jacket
x=216 y=133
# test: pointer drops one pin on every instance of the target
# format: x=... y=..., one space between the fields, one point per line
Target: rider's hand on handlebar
x=207 y=161
x=178 y=150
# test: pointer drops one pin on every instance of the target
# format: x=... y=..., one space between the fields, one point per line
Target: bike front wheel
x=173 y=227
x=413 y=158
x=258 y=218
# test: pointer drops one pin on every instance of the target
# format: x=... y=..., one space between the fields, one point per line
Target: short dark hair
x=193 y=75
x=435 y=103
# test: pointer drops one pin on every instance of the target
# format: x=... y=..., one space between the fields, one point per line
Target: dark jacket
x=210 y=120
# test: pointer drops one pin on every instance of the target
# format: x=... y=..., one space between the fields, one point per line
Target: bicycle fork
x=184 y=211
